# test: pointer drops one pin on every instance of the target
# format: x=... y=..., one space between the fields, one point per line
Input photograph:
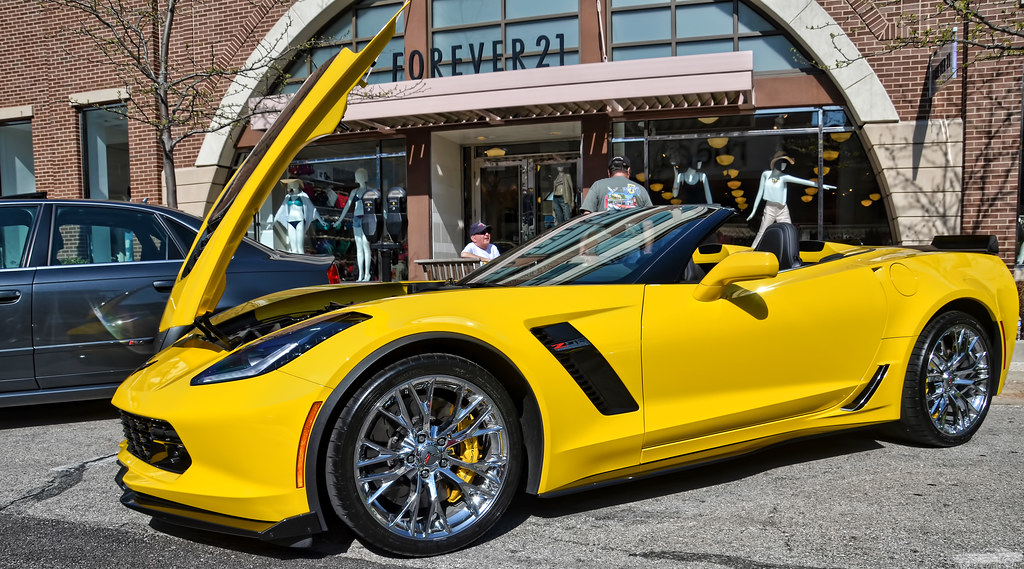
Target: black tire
x=949 y=382
x=417 y=487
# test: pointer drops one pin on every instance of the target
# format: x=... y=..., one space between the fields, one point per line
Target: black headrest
x=783 y=239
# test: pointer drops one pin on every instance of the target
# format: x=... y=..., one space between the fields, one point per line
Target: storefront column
x=418 y=203
x=594 y=153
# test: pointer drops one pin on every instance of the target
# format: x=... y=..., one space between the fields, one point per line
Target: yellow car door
x=787 y=346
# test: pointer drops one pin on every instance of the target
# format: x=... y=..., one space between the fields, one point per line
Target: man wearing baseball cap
x=480 y=246
x=616 y=191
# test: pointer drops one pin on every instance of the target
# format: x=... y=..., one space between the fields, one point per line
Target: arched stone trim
x=813 y=28
x=199 y=185
x=918 y=163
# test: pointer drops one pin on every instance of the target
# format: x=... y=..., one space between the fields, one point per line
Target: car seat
x=782 y=239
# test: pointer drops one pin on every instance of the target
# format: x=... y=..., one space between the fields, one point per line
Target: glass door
x=520 y=197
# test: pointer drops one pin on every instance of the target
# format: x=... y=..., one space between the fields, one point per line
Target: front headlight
x=274 y=350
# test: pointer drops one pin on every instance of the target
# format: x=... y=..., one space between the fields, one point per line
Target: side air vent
x=865 y=395
x=155 y=442
x=587 y=367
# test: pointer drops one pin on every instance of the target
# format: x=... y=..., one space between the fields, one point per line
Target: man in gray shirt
x=616 y=191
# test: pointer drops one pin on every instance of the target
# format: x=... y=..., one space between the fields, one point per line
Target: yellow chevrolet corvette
x=620 y=344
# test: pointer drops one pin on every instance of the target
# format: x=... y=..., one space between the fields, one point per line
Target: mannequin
x=295 y=215
x=691 y=177
x=563 y=197
x=362 y=243
x=773 y=190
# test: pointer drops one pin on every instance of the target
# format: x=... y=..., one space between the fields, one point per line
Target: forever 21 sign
x=475 y=54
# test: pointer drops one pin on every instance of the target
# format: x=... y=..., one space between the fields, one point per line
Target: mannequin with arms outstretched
x=773 y=190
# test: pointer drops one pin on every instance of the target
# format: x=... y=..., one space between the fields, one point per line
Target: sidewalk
x=1013 y=391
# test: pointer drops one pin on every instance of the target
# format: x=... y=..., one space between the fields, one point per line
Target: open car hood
x=314 y=111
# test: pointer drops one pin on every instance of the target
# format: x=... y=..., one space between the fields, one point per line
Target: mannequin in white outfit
x=773 y=190
x=362 y=243
x=691 y=177
x=296 y=214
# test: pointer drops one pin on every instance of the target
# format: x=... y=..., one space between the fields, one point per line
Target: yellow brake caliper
x=466 y=451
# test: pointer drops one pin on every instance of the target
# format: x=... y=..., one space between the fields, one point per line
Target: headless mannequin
x=773 y=190
x=691 y=177
x=362 y=243
x=563 y=196
x=296 y=214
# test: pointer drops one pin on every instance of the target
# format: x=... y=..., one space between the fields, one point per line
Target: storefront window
x=725 y=159
x=17 y=166
x=471 y=36
x=315 y=209
x=105 y=153
x=689 y=27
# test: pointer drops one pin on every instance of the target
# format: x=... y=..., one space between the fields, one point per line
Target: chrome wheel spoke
x=482 y=469
x=460 y=414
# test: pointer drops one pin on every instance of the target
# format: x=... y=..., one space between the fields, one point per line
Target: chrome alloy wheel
x=957 y=380
x=431 y=457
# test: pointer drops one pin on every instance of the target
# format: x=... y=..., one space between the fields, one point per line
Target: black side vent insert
x=864 y=396
x=587 y=367
x=155 y=442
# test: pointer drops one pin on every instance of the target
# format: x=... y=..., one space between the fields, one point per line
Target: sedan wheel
x=949 y=382
x=426 y=457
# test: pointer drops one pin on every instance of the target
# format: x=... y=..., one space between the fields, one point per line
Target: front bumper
x=289 y=531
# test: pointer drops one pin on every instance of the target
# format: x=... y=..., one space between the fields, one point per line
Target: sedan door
x=796 y=344
x=16 y=368
x=98 y=303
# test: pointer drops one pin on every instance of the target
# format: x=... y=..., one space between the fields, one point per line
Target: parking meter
x=395 y=220
x=371 y=220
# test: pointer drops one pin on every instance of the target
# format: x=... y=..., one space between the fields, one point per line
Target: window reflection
x=105 y=143
x=687 y=159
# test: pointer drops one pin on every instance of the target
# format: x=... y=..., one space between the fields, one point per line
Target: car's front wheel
x=949 y=382
x=425 y=457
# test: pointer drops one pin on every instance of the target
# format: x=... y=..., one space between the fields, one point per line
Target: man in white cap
x=480 y=246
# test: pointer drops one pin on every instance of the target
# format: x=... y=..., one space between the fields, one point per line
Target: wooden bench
x=449 y=270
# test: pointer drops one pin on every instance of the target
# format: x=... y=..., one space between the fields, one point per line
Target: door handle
x=9 y=296
x=163 y=286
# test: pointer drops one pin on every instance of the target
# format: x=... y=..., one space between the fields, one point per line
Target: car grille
x=155 y=442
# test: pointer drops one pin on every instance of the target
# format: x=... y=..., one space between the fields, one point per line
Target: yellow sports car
x=620 y=344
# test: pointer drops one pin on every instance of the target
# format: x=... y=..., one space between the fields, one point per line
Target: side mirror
x=745 y=266
x=372 y=225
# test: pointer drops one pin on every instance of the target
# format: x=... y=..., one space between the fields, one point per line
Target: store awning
x=616 y=88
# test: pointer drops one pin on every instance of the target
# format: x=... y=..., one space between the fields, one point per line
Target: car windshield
x=600 y=248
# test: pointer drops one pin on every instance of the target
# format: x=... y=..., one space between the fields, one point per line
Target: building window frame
x=106 y=159
x=17 y=159
x=692 y=45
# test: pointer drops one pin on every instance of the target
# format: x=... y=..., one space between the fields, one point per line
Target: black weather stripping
x=862 y=398
x=587 y=367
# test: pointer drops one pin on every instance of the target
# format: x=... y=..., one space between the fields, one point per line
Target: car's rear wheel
x=425 y=457
x=949 y=382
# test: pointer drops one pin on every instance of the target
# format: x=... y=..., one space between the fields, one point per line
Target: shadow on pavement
x=702 y=476
x=56 y=413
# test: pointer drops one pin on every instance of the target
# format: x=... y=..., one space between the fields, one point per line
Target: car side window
x=95 y=234
x=15 y=227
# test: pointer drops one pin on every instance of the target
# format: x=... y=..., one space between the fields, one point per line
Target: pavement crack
x=63 y=479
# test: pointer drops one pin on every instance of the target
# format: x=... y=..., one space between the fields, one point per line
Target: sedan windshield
x=601 y=248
